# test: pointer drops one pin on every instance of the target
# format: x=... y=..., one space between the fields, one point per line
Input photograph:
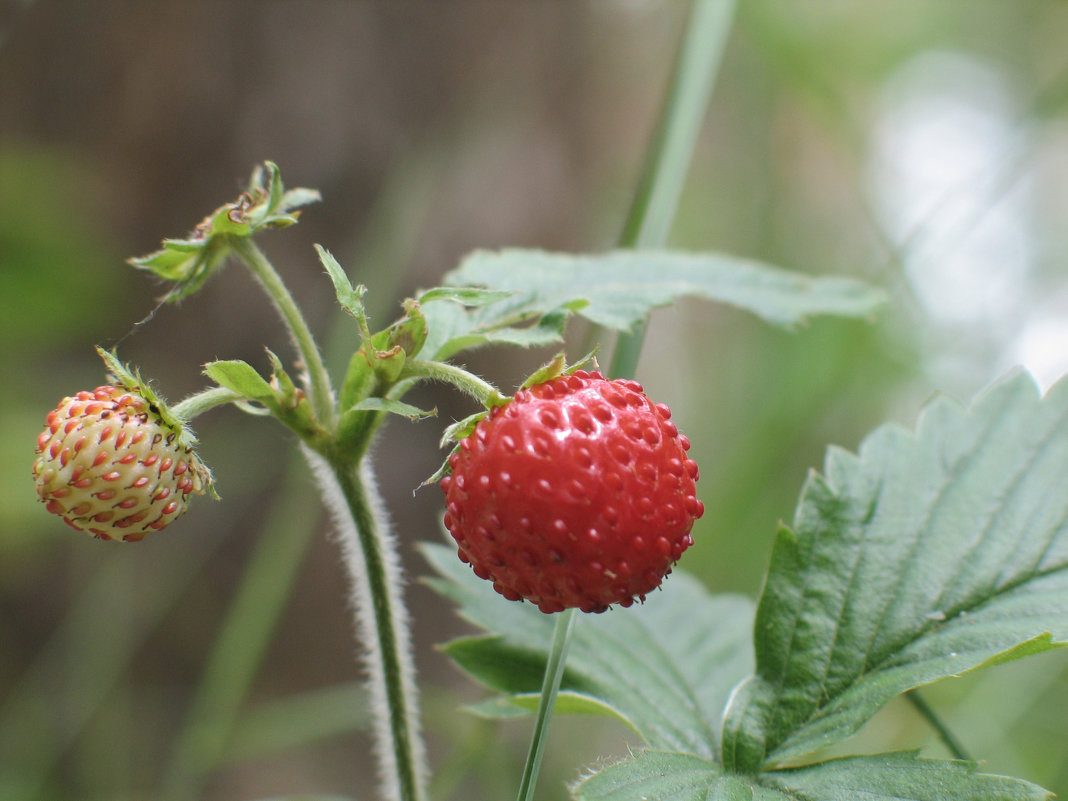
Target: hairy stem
x=482 y=391
x=320 y=392
x=203 y=401
x=370 y=556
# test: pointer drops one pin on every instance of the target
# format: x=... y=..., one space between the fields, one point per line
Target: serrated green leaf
x=665 y=680
x=654 y=776
x=618 y=289
x=242 y=378
x=903 y=776
x=924 y=556
x=658 y=776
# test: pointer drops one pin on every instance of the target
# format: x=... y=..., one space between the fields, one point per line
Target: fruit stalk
x=203 y=401
x=370 y=556
x=554 y=672
x=319 y=390
x=369 y=553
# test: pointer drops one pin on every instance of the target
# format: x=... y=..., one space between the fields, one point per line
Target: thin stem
x=647 y=226
x=370 y=556
x=482 y=391
x=668 y=161
x=554 y=673
x=202 y=401
x=320 y=392
x=935 y=722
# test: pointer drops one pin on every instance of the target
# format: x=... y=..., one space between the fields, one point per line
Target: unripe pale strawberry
x=111 y=465
x=578 y=493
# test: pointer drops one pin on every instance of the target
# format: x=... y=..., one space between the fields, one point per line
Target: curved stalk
x=320 y=392
x=370 y=555
x=203 y=401
x=482 y=391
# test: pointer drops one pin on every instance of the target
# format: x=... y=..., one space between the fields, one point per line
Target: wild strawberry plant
x=927 y=554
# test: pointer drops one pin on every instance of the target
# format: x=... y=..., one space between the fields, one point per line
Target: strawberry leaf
x=664 y=680
x=925 y=555
x=617 y=289
x=507 y=320
x=658 y=776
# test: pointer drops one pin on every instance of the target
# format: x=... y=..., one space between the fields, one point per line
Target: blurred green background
x=922 y=146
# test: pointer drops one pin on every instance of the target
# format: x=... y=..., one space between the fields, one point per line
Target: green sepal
x=377 y=365
x=438 y=474
x=453 y=434
x=350 y=297
x=280 y=396
x=185 y=263
x=461 y=428
x=557 y=367
x=131 y=379
x=189 y=262
x=394 y=407
x=410 y=332
x=242 y=378
x=295 y=410
x=388 y=365
x=359 y=380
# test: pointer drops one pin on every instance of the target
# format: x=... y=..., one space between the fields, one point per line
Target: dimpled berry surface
x=577 y=493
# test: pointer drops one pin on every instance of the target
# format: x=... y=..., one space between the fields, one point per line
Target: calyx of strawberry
x=189 y=262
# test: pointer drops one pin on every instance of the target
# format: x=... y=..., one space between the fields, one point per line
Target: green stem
x=647 y=226
x=482 y=391
x=320 y=392
x=935 y=722
x=370 y=556
x=554 y=673
x=202 y=401
x=667 y=163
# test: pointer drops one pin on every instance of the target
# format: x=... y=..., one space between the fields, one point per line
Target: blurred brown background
x=922 y=146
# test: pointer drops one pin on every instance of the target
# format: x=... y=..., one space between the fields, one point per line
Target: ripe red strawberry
x=576 y=493
x=110 y=464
